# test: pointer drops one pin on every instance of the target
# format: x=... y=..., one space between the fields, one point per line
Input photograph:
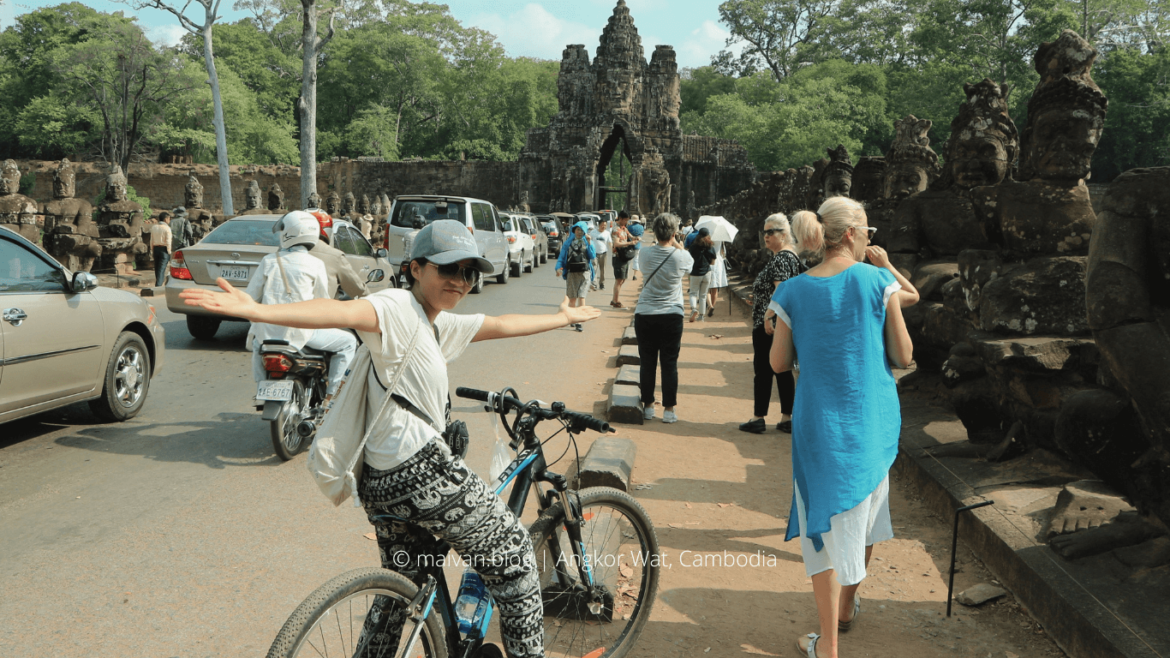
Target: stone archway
x=618 y=143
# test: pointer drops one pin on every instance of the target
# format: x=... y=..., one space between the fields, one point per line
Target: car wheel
x=126 y=382
x=502 y=277
x=518 y=266
x=544 y=257
x=531 y=263
x=202 y=327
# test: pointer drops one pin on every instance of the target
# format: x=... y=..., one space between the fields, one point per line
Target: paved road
x=179 y=533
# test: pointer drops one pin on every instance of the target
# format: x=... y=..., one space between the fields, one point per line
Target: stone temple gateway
x=619 y=101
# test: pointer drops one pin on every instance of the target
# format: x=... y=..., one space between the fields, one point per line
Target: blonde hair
x=817 y=232
x=780 y=220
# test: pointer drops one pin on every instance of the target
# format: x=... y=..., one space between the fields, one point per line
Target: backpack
x=578 y=260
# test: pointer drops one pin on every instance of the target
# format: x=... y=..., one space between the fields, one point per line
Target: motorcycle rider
x=293 y=275
x=341 y=275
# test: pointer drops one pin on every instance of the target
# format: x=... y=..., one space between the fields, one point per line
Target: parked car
x=538 y=236
x=412 y=212
x=554 y=232
x=593 y=220
x=521 y=246
x=233 y=251
x=64 y=339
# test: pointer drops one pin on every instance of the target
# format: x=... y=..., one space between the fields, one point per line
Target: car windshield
x=406 y=213
x=245 y=231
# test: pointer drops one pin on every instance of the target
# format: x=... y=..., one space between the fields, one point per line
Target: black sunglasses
x=773 y=231
x=452 y=270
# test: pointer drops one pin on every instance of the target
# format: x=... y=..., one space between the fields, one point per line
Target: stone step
x=629 y=336
x=609 y=463
x=625 y=405
x=628 y=356
x=628 y=376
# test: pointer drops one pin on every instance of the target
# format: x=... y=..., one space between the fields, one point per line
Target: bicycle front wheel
x=361 y=613
x=621 y=549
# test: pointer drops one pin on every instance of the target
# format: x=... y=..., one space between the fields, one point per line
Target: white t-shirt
x=424 y=382
x=307 y=279
x=600 y=241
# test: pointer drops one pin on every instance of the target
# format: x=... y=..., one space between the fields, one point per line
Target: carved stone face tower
x=620 y=106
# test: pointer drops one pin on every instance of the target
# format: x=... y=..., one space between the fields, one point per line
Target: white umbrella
x=720 y=229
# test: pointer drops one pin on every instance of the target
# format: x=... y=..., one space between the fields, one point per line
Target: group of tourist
x=844 y=320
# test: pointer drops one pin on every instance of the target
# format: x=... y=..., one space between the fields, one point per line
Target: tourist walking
x=783 y=265
x=703 y=254
x=575 y=266
x=624 y=250
x=844 y=320
x=658 y=317
x=636 y=231
x=718 y=277
x=600 y=239
x=160 y=246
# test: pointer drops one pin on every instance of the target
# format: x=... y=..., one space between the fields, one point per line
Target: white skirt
x=844 y=548
x=719 y=273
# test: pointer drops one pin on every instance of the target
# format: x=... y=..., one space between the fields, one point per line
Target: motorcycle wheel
x=283 y=428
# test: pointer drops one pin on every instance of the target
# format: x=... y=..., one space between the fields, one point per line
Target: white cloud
x=165 y=35
x=703 y=42
x=534 y=32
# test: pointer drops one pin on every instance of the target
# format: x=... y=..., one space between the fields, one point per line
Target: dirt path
x=720 y=499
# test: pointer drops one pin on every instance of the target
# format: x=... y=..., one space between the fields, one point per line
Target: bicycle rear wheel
x=349 y=616
x=622 y=549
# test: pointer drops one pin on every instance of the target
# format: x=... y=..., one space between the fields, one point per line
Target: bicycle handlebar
x=577 y=421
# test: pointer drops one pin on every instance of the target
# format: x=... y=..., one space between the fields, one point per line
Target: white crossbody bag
x=336 y=454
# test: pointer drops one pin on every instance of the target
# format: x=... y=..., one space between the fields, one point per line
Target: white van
x=411 y=212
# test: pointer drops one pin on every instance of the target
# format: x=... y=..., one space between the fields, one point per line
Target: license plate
x=236 y=273
x=276 y=390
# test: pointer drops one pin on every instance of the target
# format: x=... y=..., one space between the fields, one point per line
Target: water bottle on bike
x=472 y=601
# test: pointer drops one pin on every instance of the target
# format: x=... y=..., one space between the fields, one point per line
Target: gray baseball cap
x=447 y=241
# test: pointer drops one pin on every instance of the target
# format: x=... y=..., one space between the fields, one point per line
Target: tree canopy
x=407 y=80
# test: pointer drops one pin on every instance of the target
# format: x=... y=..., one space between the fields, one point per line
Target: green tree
x=1137 y=125
x=698 y=84
x=118 y=76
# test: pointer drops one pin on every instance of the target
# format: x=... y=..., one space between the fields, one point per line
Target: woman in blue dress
x=843 y=319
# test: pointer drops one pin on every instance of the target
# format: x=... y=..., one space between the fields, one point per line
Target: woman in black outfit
x=783 y=265
x=702 y=251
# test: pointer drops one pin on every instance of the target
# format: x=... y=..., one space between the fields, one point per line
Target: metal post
x=955 y=545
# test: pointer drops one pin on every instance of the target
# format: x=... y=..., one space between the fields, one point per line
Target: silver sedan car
x=64 y=339
x=233 y=251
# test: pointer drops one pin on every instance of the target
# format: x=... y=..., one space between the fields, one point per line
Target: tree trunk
x=308 y=102
x=225 y=181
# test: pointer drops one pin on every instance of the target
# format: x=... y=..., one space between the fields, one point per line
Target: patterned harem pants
x=441 y=497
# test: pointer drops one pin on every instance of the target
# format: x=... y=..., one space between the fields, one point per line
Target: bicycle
x=596 y=554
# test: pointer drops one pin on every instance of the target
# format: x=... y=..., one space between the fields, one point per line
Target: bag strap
x=283 y=276
x=664 y=262
x=387 y=402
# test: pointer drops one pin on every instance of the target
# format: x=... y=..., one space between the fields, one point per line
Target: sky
x=524 y=28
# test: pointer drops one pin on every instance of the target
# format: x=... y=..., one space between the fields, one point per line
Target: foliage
x=27 y=183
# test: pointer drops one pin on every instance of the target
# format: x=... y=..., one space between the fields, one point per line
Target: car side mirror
x=83 y=282
x=375 y=276
x=381 y=253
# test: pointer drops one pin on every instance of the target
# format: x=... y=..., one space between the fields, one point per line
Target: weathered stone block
x=609 y=463
x=1042 y=296
x=628 y=356
x=625 y=405
x=629 y=336
x=628 y=375
x=929 y=278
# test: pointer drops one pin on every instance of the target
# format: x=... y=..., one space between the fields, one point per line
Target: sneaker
x=669 y=417
x=648 y=413
x=578 y=327
x=755 y=426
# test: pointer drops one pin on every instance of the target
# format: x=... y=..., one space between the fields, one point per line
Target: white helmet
x=297 y=227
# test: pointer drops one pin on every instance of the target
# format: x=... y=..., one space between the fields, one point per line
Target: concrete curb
x=609 y=463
